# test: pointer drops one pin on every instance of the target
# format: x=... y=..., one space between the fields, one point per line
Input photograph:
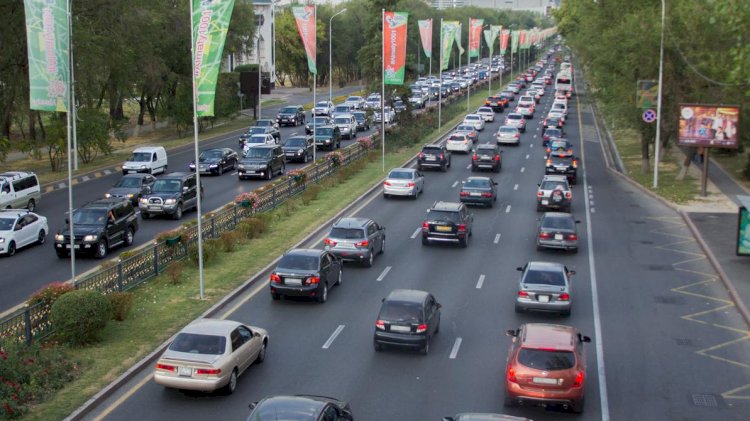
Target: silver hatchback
x=544 y=286
x=403 y=182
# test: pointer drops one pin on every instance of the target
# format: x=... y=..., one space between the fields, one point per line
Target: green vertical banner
x=475 y=36
x=210 y=22
x=488 y=39
x=307 y=27
x=48 y=41
x=458 y=39
x=394 y=47
x=514 y=42
x=447 y=38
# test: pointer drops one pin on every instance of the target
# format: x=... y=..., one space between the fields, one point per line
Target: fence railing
x=32 y=322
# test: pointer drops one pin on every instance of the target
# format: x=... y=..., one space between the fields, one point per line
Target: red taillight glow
x=386 y=183
x=579 y=380
x=461 y=227
x=544 y=235
x=329 y=242
x=275 y=278
x=313 y=280
x=549 y=162
x=486 y=194
x=410 y=184
x=517 y=136
x=511 y=374
x=208 y=371
x=523 y=294
x=575 y=164
x=421 y=155
x=568 y=195
x=380 y=325
x=564 y=297
x=540 y=193
x=442 y=156
x=165 y=367
x=572 y=237
x=474 y=157
x=497 y=157
x=422 y=328
x=362 y=244
x=463 y=194
x=425 y=225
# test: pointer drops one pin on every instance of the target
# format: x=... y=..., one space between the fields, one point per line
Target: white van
x=146 y=159
x=19 y=190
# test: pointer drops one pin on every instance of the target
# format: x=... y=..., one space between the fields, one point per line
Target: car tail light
x=474 y=157
x=422 y=328
x=425 y=225
x=549 y=150
x=410 y=184
x=546 y=137
x=579 y=379
x=365 y=243
x=568 y=195
x=442 y=156
x=462 y=227
x=575 y=163
x=421 y=155
x=313 y=280
x=544 y=235
x=380 y=324
x=386 y=183
x=549 y=162
x=329 y=242
x=517 y=136
x=497 y=157
x=540 y=193
x=511 y=374
x=165 y=367
x=572 y=237
x=564 y=297
x=208 y=371
x=275 y=278
x=523 y=294
x=485 y=194
x=463 y=194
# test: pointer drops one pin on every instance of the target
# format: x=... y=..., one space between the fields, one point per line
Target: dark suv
x=356 y=239
x=293 y=115
x=171 y=194
x=98 y=226
x=487 y=156
x=305 y=273
x=408 y=318
x=262 y=161
x=328 y=137
x=562 y=164
x=434 y=156
x=448 y=222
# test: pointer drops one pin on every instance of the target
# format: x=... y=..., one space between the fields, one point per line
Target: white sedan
x=486 y=113
x=259 y=140
x=475 y=120
x=459 y=142
x=19 y=228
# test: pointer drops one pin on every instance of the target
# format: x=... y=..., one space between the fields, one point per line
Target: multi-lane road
x=666 y=341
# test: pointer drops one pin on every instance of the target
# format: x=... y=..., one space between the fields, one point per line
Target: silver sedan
x=403 y=182
x=544 y=286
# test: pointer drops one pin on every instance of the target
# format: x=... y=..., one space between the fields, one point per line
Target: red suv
x=546 y=366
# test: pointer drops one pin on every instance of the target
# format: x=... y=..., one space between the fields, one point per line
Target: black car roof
x=406 y=295
x=289 y=407
x=446 y=206
x=177 y=175
x=105 y=203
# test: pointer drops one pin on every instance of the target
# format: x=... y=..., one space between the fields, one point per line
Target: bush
x=121 y=303
x=310 y=193
x=48 y=294
x=174 y=272
x=228 y=240
x=78 y=317
x=209 y=251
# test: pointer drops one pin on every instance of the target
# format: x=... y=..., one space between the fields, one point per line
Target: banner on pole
x=514 y=42
x=447 y=38
x=522 y=35
x=394 y=47
x=48 y=42
x=458 y=39
x=475 y=36
x=210 y=24
x=504 y=37
x=425 y=34
x=306 y=25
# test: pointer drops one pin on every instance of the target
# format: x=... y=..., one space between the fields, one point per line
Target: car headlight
x=107 y=195
x=59 y=237
x=143 y=200
x=299 y=151
x=191 y=165
x=143 y=167
x=213 y=165
x=130 y=195
x=241 y=167
x=2 y=240
x=90 y=237
x=170 y=202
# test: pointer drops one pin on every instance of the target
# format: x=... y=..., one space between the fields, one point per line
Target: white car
x=355 y=101
x=508 y=135
x=323 y=108
x=459 y=142
x=403 y=182
x=342 y=109
x=372 y=101
x=390 y=115
x=347 y=124
x=259 y=140
x=560 y=107
x=19 y=228
x=526 y=109
x=486 y=113
x=475 y=120
x=556 y=114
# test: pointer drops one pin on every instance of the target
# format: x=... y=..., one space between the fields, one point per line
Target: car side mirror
x=252 y=405
x=571 y=272
x=582 y=338
x=520 y=269
x=511 y=332
x=147 y=189
x=494 y=183
x=438 y=305
x=256 y=334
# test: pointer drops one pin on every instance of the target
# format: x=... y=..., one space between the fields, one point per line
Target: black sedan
x=306 y=273
x=300 y=408
x=299 y=148
x=215 y=161
x=487 y=156
x=407 y=318
x=478 y=191
x=557 y=230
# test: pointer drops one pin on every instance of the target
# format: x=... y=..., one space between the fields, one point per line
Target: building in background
x=538 y=6
x=265 y=11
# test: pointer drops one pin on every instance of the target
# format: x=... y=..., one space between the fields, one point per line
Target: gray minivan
x=19 y=190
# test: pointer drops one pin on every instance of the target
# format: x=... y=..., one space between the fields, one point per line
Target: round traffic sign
x=649 y=116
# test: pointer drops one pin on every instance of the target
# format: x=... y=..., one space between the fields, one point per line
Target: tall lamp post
x=657 y=142
x=330 y=53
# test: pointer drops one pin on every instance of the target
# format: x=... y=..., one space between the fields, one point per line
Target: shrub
x=209 y=251
x=174 y=272
x=163 y=236
x=127 y=254
x=228 y=240
x=78 y=317
x=121 y=303
x=310 y=193
x=48 y=294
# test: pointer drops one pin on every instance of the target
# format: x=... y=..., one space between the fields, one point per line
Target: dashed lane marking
x=416 y=232
x=523 y=169
x=507 y=210
x=527 y=156
x=384 y=273
x=480 y=282
x=515 y=187
x=455 y=183
x=456 y=346
x=333 y=337
x=497 y=239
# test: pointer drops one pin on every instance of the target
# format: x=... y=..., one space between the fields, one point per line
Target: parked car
x=403 y=182
x=478 y=191
x=306 y=273
x=291 y=115
x=171 y=195
x=508 y=135
x=262 y=161
x=98 y=227
x=323 y=108
x=299 y=149
x=215 y=161
x=210 y=354
x=20 y=228
x=300 y=408
x=356 y=239
x=544 y=286
x=554 y=192
x=131 y=187
x=434 y=156
x=328 y=137
x=407 y=318
x=546 y=365
x=448 y=222
x=19 y=190
x=557 y=230
x=317 y=122
x=487 y=156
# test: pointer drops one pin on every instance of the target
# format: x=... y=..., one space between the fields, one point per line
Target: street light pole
x=657 y=143
x=260 y=79
x=330 y=54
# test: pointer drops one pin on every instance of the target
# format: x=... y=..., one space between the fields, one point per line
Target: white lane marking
x=333 y=337
x=85 y=178
x=531 y=145
x=527 y=156
x=107 y=172
x=523 y=169
x=534 y=136
x=384 y=273
x=234 y=173
x=455 y=183
x=592 y=202
x=468 y=167
x=507 y=210
x=456 y=346
x=497 y=238
x=61 y=186
x=293 y=134
x=515 y=187
x=413 y=236
x=480 y=282
x=593 y=210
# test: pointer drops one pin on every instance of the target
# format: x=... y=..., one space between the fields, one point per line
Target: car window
x=544 y=277
x=546 y=359
x=398 y=311
x=550 y=185
x=486 y=151
x=299 y=262
x=326 y=260
x=371 y=229
x=295 y=141
x=199 y=344
x=558 y=223
x=446 y=216
x=433 y=151
x=6 y=223
x=401 y=175
x=237 y=340
x=477 y=183
x=246 y=333
x=508 y=130
x=347 y=233
x=514 y=116
x=258 y=153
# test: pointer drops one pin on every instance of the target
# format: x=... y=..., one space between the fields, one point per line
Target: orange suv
x=546 y=366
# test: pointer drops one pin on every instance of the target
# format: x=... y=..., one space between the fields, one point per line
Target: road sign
x=649 y=116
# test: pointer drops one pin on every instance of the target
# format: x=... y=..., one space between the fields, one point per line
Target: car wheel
x=449 y=163
x=378 y=347
x=221 y=169
x=129 y=237
x=11 y=248
x=31 y=206
x=382 y=246
x=385 y=196
x=473 y=169
x=539 y=208
x=323 y=297
x=62 y=254
x=42 y=237
x=368 y=262
x=101 y=249
x=577 y=407
x=565 y=313
x=177 y=213
x=275 y=296
x=574 y=250
x=519 y=309
x=269 y=174
x=508 y=402
x=444 y=167
x=262 y=354
x=232 y=385
x=491 y=204
x=425 y=241
x=463 y=243
x=283 y=169
x=426 y=348
x=145 y=215
x=340 y=279
x=437 y=329
x=304 y=158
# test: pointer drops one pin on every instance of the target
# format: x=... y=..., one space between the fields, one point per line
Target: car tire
x=11 y=249
x=473 y=169
x=437 y=329
x=262 y=353
x=368 y=262
x=425 y=241
x=574 y=250
x=539 y=247
x=378 y=347
x=426 y=348
x=62 y=254
x=177 y=213
x=386 y=196
x=145 y=215
x=539 y=207
x=31 y=206
x=101 y=249
x=340 y=278
x=565 y=313
x=41 y=238
x=464 y=243
x=491 y=204
x=577 y=407
x=323 y=297
x=382 y=246
x=275 y=296
x=232 y=385
x=283 y=169
x=269 y=174
x=304 y=158
x=221 y=170
x=449 y=163
x=129 y=234
x=519 y=309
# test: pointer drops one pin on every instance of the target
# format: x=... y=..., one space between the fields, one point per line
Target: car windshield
x=558 y=223
x=340 y=109
x=209 y=155
x=324 y=131
x=258 y=153
x=288 y=110
x=322 y=104
x=166 y=186
x=548 y=360
x=486 y=110
x=544 y=277
x=444 y=216
x=257 y=139
x=561 y=160
x=6 y=223
x=485 y=151
x=342 y=120
x=477 y=183
x=401 y=175
x=472 y=117
x=298 y=262
x=141 y=157
x=318 y=121
x=456 y=138
x=347 y=233
x=195 y=343
x=553 y=132
x=256 y=130
x=359 y=117
x=90 y=217
x=129 y=182
x=353 y=99
x=295 y=142
x=508 y=130
x=465 y=128
x=396 y=311
x=558 y=144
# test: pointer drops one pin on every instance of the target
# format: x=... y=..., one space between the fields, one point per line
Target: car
x=258 y=130
x=389 y=114
x=525 y=108
x=300 y=408
x=487 y=113
x=508 y=135
x=259 y=140
x=554 y=192
x=266 y=122
x=560 y=107
x=323 y=108
x=373 y=101
x=435 y=156
x=475 y=120
x=556 y=114
x=262 y=161
x=216 y=161
x=328 y=137
x=533 y=93
x=407 y=318
x=403 y=182
x=481 y=416
x=306 y=273
x=468 y=130
x=538 y=85
x=399 y=105
x=559 y=146
x=20 y=228
x=356 y=102
x=131 y=187
x=209 y=355
x=551 y=133
x=19 y=189
x=515 y=88
x=146 y=159
x=496 y=103
x=347 y=124
x=506 y=97
x=363 y=123
x=555 y=122
x=516 y=120
x=460 y=142
x=448 y=222
x=317 y=122
x=478 y=191
x=291 y=115
x=546 y=365
x=171 y=195
x=487 y=156
x=299 y=149
x=562 y=164
x=418 y=100
x=98 y=227
x=557 y=230
x=356 y=239
x=342 y=109
x=544 y=286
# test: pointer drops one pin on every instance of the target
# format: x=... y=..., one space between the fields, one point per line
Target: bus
x=564 y=83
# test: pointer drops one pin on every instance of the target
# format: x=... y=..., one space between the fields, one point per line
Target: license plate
x=430 y=158
x=545 y=202
x=67 y=246
x=485 y=157
x=185 y=371
x=475 y=194
x=543 y=298
x=293 y=281
x=154 y=207
x=543 y=380
x=131 y=172
x=251 y=172
x=400 y=328
x=558 y=236
x=443 y=229
x=290 y=154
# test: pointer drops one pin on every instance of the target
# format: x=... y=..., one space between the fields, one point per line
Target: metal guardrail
x=32 y=323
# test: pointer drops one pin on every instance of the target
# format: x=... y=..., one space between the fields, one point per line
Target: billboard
x=743 y=232
x=709 y=125
x=647 y=94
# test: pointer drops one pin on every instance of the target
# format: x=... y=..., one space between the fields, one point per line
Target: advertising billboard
x=709 y=125
x=743 y=230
